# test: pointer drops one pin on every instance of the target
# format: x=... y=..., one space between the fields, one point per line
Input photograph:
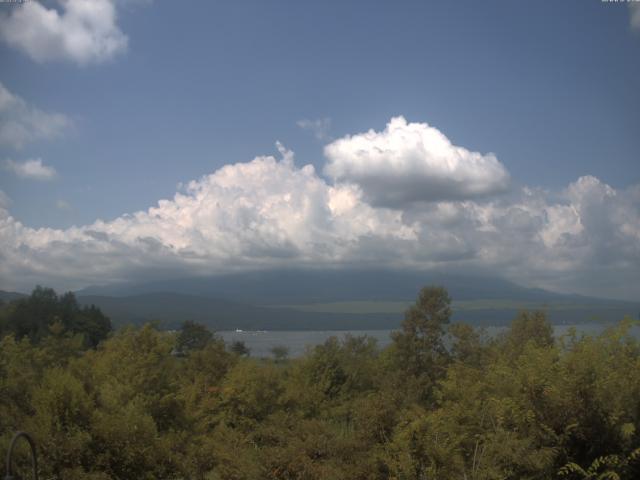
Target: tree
x=529 y=327
x=31 y=317
x=419 y=346
x=240 y=348
x=93 y=324
x=193 y=336
x=280 y=353
x=466 y=344
x=250 y=392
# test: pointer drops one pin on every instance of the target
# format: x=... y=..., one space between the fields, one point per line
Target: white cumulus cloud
x=272 y=213
x=21 y=123
x=81 y=31
x=413 y=162
x=32 y=169
x=245 y=216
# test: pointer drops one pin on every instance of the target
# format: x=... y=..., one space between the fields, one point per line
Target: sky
x=141 y=138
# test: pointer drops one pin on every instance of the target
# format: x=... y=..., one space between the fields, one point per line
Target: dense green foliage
x=441 y=402
x=44 y=313
x=193 y=336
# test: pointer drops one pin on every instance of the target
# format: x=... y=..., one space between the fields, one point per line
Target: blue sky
x=550 y=88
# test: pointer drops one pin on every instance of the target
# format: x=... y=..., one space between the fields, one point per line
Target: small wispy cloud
x=21 y=123
x=63 y=205
x=5 y=201
x=32 y=169
x=634 y=12
x=319 y=127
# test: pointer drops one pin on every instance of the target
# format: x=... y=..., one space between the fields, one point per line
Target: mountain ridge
x=285 y=286
x=328 y=300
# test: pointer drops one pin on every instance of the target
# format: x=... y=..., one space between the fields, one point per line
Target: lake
x=261 y=342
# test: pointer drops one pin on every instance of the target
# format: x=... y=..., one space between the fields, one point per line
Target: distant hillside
x=171 y=309
x=10 y=296
x=319 y=300
x=333 y=300
x=292 y=286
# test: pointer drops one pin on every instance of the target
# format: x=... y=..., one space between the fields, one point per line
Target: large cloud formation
x=84 y=32
x=270 y=213
x=250 y=215
x=412 y=162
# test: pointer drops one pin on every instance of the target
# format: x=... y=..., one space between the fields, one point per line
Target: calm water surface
x=261 y=342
